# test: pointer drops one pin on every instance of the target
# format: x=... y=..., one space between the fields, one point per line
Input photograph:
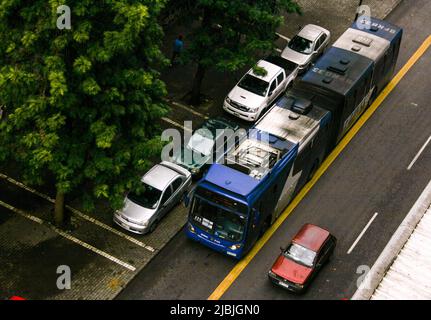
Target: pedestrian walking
x=178 y=47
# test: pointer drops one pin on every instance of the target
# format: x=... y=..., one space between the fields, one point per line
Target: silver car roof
x=311 y=32
x=160 y=177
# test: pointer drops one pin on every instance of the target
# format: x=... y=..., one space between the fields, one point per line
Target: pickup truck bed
x=287 y=65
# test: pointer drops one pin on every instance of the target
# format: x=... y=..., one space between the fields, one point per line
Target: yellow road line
x=241 y=265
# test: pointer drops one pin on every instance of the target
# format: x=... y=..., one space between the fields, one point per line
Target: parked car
x=255 y=93
x=206 y=145
x=308 y=45
x=299 y=263
x=163 y=187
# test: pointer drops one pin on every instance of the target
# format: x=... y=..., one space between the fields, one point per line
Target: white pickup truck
x=254 y=93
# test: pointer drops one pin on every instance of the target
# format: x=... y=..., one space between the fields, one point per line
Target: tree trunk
x=59 y=209
x=197 y=84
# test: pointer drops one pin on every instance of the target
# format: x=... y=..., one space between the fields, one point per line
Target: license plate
x=283 y=284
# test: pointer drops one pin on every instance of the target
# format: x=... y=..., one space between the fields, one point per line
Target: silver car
x=163 y=187
x=307 y=46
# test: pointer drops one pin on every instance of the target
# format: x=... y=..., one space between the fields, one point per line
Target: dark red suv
x=297 y=264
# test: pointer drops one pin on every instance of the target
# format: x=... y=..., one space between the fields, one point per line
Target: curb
x=390 y=9
x=394 y=246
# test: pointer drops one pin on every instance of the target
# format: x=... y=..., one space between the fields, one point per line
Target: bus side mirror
x=256 y=216
x=186 y=199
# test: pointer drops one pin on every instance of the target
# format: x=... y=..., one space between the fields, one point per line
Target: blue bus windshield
x=218 y=221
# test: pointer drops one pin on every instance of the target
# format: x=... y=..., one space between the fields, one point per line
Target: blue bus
x=235 y=202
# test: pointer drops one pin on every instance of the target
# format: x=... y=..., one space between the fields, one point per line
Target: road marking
x=278 y=50
x=78 y=213
x=67 y=236
x=176 y=124
x=419 y=154
x=362 y=233
x=241 y=265
x=282 y=37
x=189 y=109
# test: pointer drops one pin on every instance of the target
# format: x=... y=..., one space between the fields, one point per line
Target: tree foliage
x=231 y=32
x=83 y=104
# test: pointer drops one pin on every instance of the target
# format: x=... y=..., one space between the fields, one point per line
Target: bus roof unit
x=379 y=28
x=293 y=119
x=338 y=71
x=373 y=42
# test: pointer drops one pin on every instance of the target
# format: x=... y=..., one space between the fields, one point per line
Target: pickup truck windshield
x=301 y=45
x=253 y=84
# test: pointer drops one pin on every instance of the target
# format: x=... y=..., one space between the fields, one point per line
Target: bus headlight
x=191 y=228
x=235 y=247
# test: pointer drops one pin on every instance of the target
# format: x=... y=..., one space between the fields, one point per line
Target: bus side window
x=261 y=207
x=361 y=91
x=257 y=213
x=368 y=83
x=357 y=99
x=395 y=52
x=388 y=59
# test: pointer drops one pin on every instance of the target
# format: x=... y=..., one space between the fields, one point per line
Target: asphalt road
x=369 y=176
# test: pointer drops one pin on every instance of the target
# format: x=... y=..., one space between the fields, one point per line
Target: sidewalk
x=402 y=271
x=102 y=257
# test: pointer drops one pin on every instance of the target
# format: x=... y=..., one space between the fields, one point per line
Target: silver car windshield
x=300 y=254
x=301 y=45
x=148 y=198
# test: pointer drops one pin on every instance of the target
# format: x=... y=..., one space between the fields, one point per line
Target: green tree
x=231 y=32
x=82 y=104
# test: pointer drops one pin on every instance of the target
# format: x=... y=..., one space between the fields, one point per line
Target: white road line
x=79 y=214
x=188 y=109
x=282 y=37
x=362 y=233
x=68 y=236
x=176 y=124
x=419 y=154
